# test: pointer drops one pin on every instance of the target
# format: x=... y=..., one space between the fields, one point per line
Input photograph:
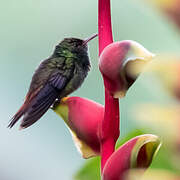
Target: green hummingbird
x=56 y=77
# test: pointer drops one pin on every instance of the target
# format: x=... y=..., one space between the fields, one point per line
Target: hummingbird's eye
x=76 y=44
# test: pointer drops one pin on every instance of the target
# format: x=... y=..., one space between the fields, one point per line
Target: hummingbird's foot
x=55 y=104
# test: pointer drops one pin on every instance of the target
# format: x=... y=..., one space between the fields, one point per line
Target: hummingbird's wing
x=44 y=99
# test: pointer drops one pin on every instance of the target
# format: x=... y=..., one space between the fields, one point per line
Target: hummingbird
x=56 y=77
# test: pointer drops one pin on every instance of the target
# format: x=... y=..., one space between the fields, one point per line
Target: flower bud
x=121 y=63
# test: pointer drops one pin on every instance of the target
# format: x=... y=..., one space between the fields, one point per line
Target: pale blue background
x=29 y=29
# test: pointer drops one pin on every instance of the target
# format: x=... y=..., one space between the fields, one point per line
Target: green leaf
x=90 y=171
x=164 y=160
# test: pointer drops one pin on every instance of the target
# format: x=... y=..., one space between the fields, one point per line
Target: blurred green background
x=29 y=31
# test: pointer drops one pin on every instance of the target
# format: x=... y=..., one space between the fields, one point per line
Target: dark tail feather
x=17 y=116
x=39 y=106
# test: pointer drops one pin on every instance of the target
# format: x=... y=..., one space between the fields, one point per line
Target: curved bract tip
x=121 y=63
x=136 y=153
x=82 y=117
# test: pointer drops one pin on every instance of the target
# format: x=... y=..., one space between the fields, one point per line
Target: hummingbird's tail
x=39 y=106
x=18 y=115
x=35 y=109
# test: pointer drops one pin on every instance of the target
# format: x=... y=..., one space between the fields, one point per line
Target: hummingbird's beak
x=89 y=39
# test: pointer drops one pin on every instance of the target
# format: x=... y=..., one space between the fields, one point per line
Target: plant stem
x=104 y=24
x=110 y=125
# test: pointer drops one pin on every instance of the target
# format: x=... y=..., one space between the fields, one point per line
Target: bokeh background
x=28 y=33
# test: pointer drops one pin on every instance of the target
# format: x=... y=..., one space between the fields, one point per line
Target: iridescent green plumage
x=56 y=77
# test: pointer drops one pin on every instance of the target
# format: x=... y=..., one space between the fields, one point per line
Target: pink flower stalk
x=120 y=64
x=83 y=117
x=109 y=127
x=136 y=153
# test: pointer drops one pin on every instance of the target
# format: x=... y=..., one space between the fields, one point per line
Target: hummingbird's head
x=71 y=47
